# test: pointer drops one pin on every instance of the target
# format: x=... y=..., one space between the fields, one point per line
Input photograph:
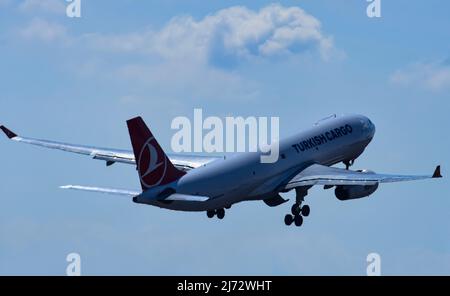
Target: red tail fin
x=154 y=167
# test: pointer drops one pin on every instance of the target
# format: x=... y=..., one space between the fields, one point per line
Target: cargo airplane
x=213 y=184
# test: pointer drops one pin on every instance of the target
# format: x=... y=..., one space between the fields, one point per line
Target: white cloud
x=226 y=36
x=433 y=76
x=39 y=29
x=194 y=56
x=50 y=6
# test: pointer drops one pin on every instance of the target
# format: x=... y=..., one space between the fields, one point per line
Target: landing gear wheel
x=305 y=211
x=288 y=219
x=210 y=214
x=220 y=213
x=295 y=210
x=298 y=220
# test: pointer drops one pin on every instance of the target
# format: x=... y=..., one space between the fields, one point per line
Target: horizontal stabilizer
x=113 y=191
x=131 y=193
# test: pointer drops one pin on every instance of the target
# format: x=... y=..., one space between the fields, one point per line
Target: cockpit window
x=366 y=124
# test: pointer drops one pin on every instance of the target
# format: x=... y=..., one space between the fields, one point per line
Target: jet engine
x=347 y=192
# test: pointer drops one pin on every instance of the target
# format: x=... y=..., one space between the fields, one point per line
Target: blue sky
x=78 y=80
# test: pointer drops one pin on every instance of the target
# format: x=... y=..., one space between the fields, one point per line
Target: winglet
x=7 y=132
x=437 y=172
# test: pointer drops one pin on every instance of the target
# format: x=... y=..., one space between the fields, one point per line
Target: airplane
x=212 y=184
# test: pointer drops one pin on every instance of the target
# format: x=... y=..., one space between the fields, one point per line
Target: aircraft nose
x=371 y=129
x=368 y=128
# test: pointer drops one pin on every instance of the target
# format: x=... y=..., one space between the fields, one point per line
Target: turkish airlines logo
x=152 y=164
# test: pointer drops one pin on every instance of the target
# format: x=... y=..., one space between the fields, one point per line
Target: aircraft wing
x=111 y=156
x=130 y=193
x=323 y=175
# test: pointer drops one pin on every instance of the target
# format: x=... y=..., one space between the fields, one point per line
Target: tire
x=288 y=219
x=305 y=211
x=298 y=220
x=220 y=214
x=295 y=209
x=210 y=214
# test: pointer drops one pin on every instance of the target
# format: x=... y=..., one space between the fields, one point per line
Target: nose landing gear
x=298 y=212
x=348 y=163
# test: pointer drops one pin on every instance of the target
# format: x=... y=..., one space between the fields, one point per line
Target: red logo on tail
x=154 y=167
x=152 y=164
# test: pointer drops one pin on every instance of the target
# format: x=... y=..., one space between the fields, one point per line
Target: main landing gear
x=220 y=213
x=298 y=212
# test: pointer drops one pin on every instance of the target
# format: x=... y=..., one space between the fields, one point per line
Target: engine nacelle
x=347 y=192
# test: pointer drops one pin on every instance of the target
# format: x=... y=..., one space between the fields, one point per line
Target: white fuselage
x=244 y=177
